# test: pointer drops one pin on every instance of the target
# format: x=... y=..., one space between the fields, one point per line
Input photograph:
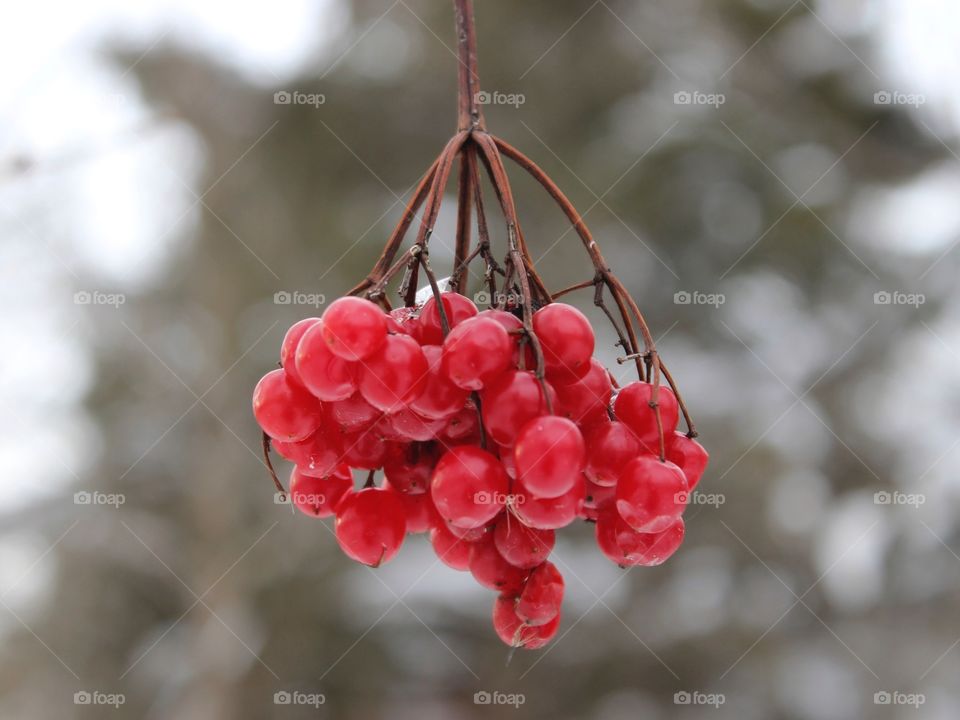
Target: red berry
x=470 y=535
x=462 y=427
x=420 y=513
x=491 y=570
x=475 y=352
x=541 y=596
x=596 y=500
x=409 y=467
x=651 y=494
x=585 y=399
x=354 y=328
x=508 y=321
x=516 y=633
x=364 y=449
x=452 y=550
x=548 y=513
x=411 y=426
x=402 y=320
x=689 y=455
x=522 y=546
x=318 y=497
x=326 y=375
x=318 y=455
x=510 y=402
x=284 y=410
x=458 y=308
x=469 y=486
x=567 y=340
x=288 y=350
x=610 y=447
x=627 y=547
x=395 y=375
x=549 y=456
x=353 y=413
x=371 y=524
x=632 y=407
x=440 y=398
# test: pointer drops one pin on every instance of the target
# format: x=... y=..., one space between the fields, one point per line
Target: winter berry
x=547 y=513
x=522 y=546
x=284 y=410
x=475 y=352
x=395 y=375
x=587 y=398
x=542 y=595
x=610 y=447
x=509 y=402
x=651 y=494
x=458 y=308
x=409 y=467
x=469 y=486
x=689 y=455
x=567 y=340
x=353 y=413
x=354 y=328
x=632 y=407
x=288 y=350
x=452 y=551
x=371 y=524
x=326 y=375
x=440 y=398
x=490 y=569
x=627 y=547
x=549 y=455
x=318 y=497
x=318 y=455
x=515 y=632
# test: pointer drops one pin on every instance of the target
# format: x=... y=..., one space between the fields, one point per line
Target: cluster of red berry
x=477 y=449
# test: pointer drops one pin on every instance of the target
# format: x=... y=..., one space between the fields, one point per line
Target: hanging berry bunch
x=492 y=428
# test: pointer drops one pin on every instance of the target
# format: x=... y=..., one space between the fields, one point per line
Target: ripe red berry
x=458 y=308
x=469 y=486
x=409 y=425
x=475 y=352
x=522 y=546
x=402 y=320
x=542 y=595
x=364 y=449
x=548 y=513
x=610 y=447
x=285 y=411
x=462 y=427
x=318 y=497
x=510 y=402
x=596 y=500
x=324 y=374
x=651 y=494
x=452 y=550
x=632 y=407
x=586 y=399
x=549 y=455
x=354 y=328
x=318 y=455
x=567 y=341
x=421 y=515
x=508 y=321
x=371 y=524
x=627 y=547
x=288 y=350
x=515 y=632
x=353 y=413
x=689 y=455
x=490 y=569
x=440 y=398
x=395 y=375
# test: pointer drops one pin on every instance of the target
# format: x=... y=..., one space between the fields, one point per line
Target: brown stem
x=266 y=460
x=470 y=116
x=464 y=199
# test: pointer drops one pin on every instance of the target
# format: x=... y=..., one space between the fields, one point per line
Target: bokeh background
x=156 y=204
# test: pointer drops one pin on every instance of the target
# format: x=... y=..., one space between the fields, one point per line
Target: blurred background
x=775 y=181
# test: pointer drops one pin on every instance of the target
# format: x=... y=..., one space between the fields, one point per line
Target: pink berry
x=627 y=547
x=326 y=375
x=395 y=375
x=284 y=410
x=458 y=308
x=651 y=494
x=549 y=455
x=288 y=350
x=318 y=497
x=475 y=352
x=522 y=546
x=689 y=455
x=371 y=524
x=567 y=341
x=469 y=486
x=541 y=596
x=632 y=407
x=509 y=402
x=354 y=328
x=610 y=446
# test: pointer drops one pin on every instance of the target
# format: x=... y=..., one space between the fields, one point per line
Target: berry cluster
x=490 y=436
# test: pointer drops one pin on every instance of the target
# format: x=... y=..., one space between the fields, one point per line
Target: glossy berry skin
x=476 y=351
x=285 y=411
x=491 y=570
x=628 y=548
x=421 y=515
x=288 y=350
x=632 y=407
x=324 y=374
x=522 y=546
x=596 y=500
x=689 y=455
x=566 y=339
x=548 y=513
x=371 y=524
x=409 y=425
x=450 y=549
x=470 y=535
x=395 y=375
x=409 y=467
x=458 y=308
x=402 y=320
x=542 y=595
x=318 y=455
x=469 y=486
x=549 y=456
x=364 y=449
x=585 y=399
x=440 y=399
x=319 y=497
x=610 y=447
x=353 y=413
x=510 y=402
x=354 y=328
x=515 y=632
x=651 y=494
x=462 y=427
